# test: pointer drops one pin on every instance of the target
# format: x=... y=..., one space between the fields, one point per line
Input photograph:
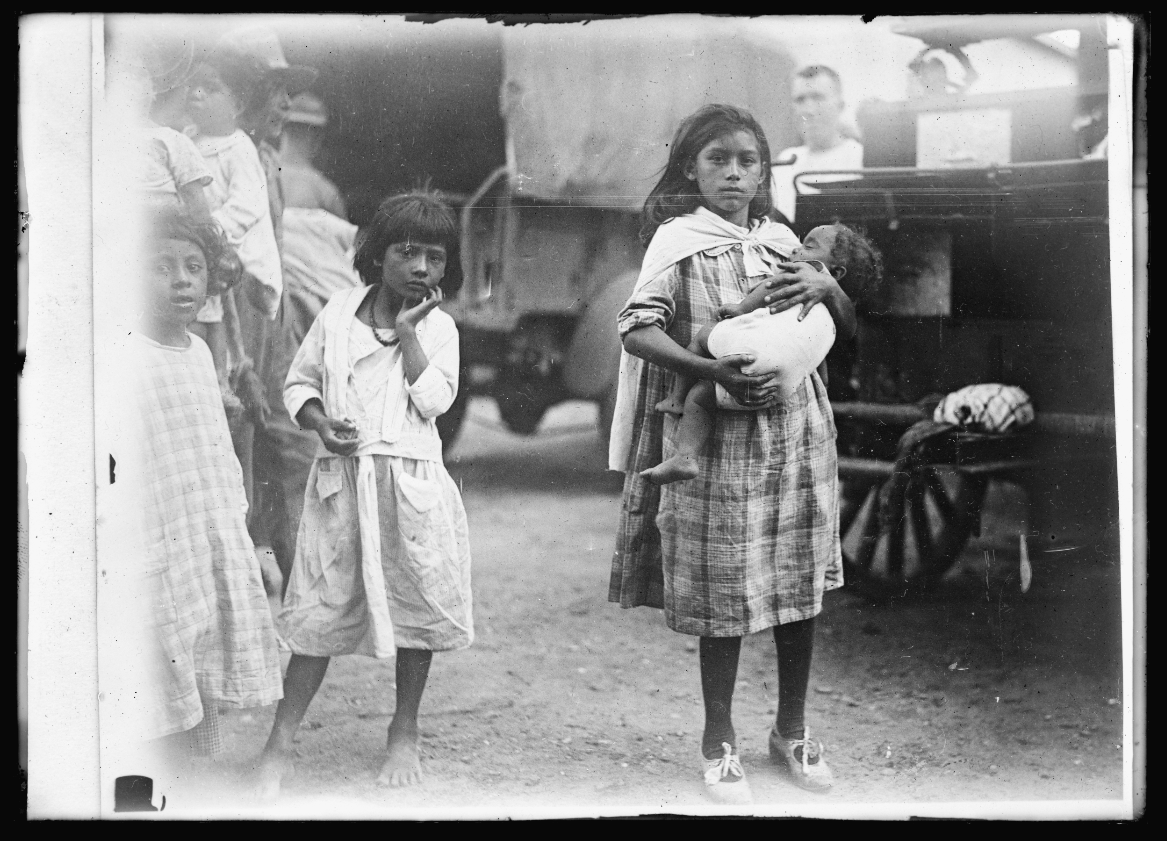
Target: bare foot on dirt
x=402 y=767
x=676 y=469
x=672 y=405
x=273 y=771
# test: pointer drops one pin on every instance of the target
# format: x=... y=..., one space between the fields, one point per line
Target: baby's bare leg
x=695 y=428
x=674 y=404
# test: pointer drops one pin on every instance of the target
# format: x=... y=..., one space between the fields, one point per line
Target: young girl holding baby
x=752 y=542
x=382 y=563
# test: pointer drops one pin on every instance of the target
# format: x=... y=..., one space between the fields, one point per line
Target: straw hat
x=308 y=110
x=261 y=47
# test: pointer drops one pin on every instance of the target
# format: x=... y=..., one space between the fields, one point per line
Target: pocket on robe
x=329 y=479
x=422 y=524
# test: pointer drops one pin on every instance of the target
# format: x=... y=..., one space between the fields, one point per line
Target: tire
x=941 y=509
x=520 y=405
x=450 y=423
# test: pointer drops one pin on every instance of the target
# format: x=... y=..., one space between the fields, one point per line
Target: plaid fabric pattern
x=211 y=614
x=753 y=541
x=206 y=737
x=987 y=407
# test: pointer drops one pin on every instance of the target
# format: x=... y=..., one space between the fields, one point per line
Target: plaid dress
x=753 y=541
x=210 y=611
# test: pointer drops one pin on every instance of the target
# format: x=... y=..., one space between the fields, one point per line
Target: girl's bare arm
x=802 y=283
x=653 y=345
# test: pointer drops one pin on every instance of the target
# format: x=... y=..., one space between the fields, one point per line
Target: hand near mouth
x=412 y=312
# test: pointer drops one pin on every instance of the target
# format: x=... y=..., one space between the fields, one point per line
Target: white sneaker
x=802 y=759
x=724 y=778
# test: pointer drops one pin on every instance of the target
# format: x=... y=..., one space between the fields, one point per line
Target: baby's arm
x=195 y=201
x=755 y=299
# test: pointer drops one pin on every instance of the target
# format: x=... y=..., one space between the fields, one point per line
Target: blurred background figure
x=304 y=185
x=317 y=258
x=256 y=52
x=817 y=93
x=1091 y=127
x=929 y=73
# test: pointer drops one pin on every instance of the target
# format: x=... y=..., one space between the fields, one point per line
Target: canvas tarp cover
x=590 y=110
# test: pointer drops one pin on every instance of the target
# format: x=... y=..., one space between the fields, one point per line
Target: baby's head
x=217 y=96
x=846 y=253
x=415 y=219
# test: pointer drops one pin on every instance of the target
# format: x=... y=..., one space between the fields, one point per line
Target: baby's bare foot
x=671 y=405
x=402 y=767
x=676 y=469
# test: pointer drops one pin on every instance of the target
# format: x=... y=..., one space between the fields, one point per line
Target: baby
x=791 y=343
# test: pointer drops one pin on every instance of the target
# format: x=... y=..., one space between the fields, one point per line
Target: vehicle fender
x=593 y=357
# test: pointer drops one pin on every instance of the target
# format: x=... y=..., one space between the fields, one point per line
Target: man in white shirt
x=818 y=107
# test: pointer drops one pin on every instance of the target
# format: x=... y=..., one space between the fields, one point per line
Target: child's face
x=212 y=106
x=727 y=173
x=412 y=269
x=817 y=245
x=176 y=275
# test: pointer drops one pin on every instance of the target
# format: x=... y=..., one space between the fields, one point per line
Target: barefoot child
x=211 y=615
x=382 y=563
x=789 y=343
x=752 y=541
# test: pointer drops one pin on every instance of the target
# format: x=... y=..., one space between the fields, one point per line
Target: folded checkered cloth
x=987 y=407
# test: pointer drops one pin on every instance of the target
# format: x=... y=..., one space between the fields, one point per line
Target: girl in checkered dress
x=216 y=641
x=752 y=542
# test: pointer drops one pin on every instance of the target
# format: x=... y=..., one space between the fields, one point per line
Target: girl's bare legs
x=719 y=657
x=303 y=679
x=694 y=430
x=674 y=404
x=402 y=766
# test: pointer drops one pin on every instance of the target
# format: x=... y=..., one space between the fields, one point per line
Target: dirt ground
x=568 y=705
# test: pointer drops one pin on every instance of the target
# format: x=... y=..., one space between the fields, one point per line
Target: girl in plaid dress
x=216 y=642
x=752 y=542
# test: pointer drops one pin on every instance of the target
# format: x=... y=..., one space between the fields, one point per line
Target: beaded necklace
x=387 y=342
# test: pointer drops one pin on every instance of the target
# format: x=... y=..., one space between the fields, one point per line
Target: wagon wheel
x=940 y=509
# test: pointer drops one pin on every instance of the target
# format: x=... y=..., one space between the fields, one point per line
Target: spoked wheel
x=938 y=510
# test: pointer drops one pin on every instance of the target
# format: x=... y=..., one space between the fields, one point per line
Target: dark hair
x=223 y=267
x=675 y=195
x=418 y=216
x=821 y=70
x=861 y=258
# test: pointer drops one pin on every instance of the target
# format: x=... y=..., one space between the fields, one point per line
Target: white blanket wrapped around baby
x=779 y=343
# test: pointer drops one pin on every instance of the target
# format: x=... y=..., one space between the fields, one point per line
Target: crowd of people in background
x=267 y=243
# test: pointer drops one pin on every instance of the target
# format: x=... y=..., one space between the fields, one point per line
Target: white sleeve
x=433 y=392
x=305 y=379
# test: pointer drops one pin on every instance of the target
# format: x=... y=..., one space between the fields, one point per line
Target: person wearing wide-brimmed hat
x=316 y=254
x=304 y=185
x=255 y=56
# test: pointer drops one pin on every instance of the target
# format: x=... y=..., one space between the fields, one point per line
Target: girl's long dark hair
x=675 y=194
x=419 y=216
